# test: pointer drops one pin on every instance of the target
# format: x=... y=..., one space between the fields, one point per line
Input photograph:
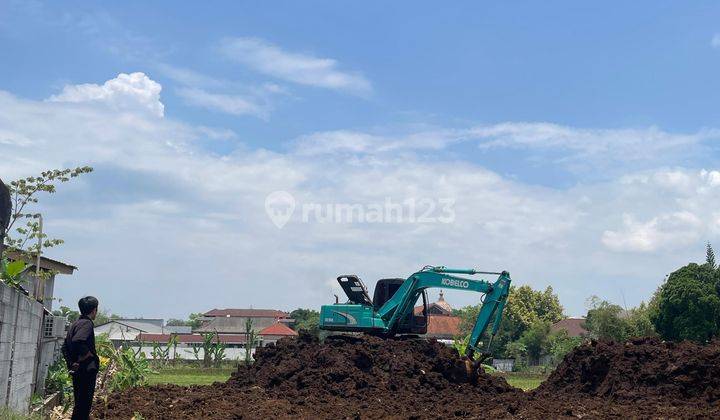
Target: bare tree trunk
x=5 y=209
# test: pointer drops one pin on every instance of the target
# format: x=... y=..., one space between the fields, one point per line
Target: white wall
x=185 y=352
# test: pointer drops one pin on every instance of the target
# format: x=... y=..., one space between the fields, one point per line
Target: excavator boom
x=360 y=314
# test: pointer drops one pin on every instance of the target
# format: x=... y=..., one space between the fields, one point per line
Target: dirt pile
x=366 y=377
x=350 y=367
x=640 y=369
x=346 y=377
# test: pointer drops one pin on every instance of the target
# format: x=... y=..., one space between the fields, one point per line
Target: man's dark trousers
x=83 y=391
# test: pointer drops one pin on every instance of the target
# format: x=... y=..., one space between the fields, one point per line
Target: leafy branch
x=23 y=193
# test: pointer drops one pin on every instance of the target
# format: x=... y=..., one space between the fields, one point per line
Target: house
x=232 y=321
x=575 y=327
x=189 y=346
x=46 y=285
x=442 y=325
x=124 y=330
x=275 y=332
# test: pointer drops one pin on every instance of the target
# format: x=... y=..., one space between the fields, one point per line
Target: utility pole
x=40 y=292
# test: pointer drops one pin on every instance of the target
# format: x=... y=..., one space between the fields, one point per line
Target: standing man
x=81 y=357
x=5 y=209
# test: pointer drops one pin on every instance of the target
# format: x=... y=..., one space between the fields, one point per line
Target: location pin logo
x=279 y=206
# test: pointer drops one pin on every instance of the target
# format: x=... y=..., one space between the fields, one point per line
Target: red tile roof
x=247 y=313
x=189 y=338
x=278 y=329
x=574 y=326
x=443 y=325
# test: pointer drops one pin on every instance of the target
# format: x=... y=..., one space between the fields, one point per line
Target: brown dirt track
x=372 y=378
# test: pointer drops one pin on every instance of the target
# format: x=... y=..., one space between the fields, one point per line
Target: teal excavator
x=392 y=311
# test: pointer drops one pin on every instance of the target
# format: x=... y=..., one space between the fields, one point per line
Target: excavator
x=392 y=310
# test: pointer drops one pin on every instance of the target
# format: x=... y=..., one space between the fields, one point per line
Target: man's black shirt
x=79 y=341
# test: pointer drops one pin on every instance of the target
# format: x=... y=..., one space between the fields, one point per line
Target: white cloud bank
x=304 y=69
x=134 y=91
x=161 y=214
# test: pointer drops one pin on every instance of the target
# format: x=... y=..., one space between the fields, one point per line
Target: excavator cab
x=416 y=321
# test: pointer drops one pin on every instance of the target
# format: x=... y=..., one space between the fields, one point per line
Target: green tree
x=536 y=339
x=517 y=350
x=688 y=305
x=524 y=307
x=251 y=337
x=68 y=313
x=195 y=320
x=306 y=319
x=560 y=344
x=638 y=321
x=104 y=316
x=604 y=321
x=710 y=257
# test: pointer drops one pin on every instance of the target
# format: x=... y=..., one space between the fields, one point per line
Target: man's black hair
x=87 y=304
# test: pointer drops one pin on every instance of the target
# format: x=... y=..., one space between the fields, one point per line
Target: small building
x=575 y=327
x=48 y=266
x=189 y=346
x=503 y=365
x=442 y=325
x=124 y=330
x=232 y=321
x=275 y=332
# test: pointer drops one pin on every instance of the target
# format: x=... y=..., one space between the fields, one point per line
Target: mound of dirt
x=352 y=367
x=367 y=377
x=358 y=377
x=640 y=369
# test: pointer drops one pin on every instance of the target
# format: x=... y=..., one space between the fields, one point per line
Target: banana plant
x=133 y=370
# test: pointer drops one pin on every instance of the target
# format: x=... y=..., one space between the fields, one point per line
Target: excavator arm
x=360 y=315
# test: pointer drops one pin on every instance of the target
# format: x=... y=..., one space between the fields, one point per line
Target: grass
x=7 y=414
x=524 y=381
x=185 y=375
x=190 y=375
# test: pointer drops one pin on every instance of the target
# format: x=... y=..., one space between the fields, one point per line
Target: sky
x=247 y=153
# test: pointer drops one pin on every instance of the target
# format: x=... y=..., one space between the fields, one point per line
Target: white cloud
x=179 y=213
x=229 y=104
x=127 y=92
x=592 y=153
x=188 y=77
x=673 y=230
x=304 y=69
x=589 y=144
x=715 y=41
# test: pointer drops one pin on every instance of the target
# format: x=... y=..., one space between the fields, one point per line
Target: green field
x=190 y=375
x=202 y=376
x=523 y=381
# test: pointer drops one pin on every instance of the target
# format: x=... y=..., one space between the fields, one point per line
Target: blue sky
x=578 y=142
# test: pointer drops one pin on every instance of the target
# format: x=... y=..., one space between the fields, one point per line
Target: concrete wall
x=50 y=348
x=20 y=323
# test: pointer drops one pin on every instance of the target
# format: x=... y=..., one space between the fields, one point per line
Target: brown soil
x=366 y=377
